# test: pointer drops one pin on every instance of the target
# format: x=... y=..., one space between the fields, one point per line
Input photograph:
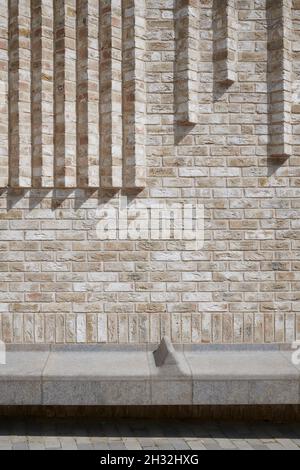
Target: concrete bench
x=124 y=375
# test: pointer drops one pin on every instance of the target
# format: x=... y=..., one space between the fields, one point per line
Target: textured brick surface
x=88 y=93
x=280 y=76
x=111 y=93
x=134 y=93
x=105 y=110
x=4 y=93
x=20 y=52
x=225 y=28
x=65 y=94
x=42 y=90
x=187 y=58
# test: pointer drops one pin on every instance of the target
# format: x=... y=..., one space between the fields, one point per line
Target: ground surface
x=149 y=435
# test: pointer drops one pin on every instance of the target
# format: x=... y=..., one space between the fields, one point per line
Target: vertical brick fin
x=88 y=173
x=20 y=93
x=3 y=93
x=65 y=93
x=225 y=41
x=42 y=94
x=187 y=58
x=111 y=93
x=279 y=77
x=134 y=94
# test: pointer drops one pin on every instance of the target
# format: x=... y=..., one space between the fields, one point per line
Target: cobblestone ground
x=147 y=435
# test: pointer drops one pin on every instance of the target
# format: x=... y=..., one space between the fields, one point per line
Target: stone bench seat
x=124 y=375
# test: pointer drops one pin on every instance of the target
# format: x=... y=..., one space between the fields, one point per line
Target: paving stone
x=196 y=445
x=180 y=444
x=275 y=446
x=225 y=444
x=85 y=447
x=21 y=446
x=116 y=445
x=85 y=436
x=52 y=443
x=241 y=444
x=288 y=444
x=259 y=447
x=132 y=444
x=68 y=443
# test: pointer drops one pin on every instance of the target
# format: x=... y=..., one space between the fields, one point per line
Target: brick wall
x=195 y=99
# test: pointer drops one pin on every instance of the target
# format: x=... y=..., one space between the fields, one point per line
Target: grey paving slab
x=274 y=446
x=164 y=445
x=260 y=447
x=52 y=442
x=116 y=445
x=68 y=443
x=101 y=446
x=242 y=444
x=132 y=444
x=146 y=442
x=180 y=444
x=85 y=447
x=83 y=440
x=210 y=443
x=226 y=443
x=214 y=447
x=20 y=446
x=196 y=445
x=288 y=444
x=36 y=447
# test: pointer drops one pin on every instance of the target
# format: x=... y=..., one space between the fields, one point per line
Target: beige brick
x=88 y=94
x=112 y=328
x=102 y=328
x=187 y=43
x=65 y=93
x=111 y=133
x=43 y=90
x=225 y=44
x=133 y=329
x=134 y=93
x=71 y=328
x=280 y=69
x=20 y=94
x=29 y=333
x=155 y=333
x=4 y=80
x=50 y=328
x=196 y=328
